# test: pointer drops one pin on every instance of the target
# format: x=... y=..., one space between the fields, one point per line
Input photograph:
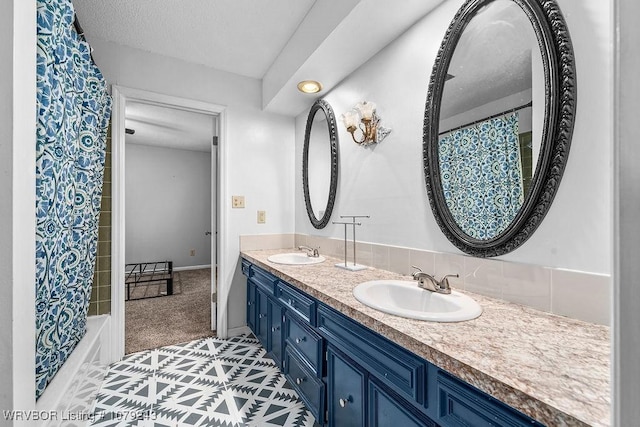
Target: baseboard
x=191 y=267
x=242 y=330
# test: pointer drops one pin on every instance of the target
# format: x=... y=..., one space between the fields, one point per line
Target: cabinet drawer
x=306 y=342
x=310 y=388
x=460 y=404
x=297 y=302
x=266 y=281
x=397 y=368
x=246 y=268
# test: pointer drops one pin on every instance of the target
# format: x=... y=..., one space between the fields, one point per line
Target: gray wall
x=168 y=205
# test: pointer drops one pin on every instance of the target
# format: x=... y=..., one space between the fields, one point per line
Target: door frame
x=120 y=96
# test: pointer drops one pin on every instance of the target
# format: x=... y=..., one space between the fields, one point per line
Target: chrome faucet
x=311 y=252
x=430 y=283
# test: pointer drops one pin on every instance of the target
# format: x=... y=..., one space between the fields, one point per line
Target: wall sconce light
x=363 y=116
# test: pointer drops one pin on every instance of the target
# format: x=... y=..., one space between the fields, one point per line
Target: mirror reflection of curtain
x=481 y=174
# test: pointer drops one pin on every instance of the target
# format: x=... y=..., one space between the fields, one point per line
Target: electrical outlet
x=192 y=252
x=262 y=217
x=237 y=201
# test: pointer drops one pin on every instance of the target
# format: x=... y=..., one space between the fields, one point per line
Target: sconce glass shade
x=366 y=109
x=350 y=119
x=363 y=118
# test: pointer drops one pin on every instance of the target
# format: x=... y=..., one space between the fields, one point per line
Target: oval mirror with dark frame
x=320 y=163
x=498 y=122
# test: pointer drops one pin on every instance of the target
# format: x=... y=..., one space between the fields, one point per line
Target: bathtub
x=71 y=394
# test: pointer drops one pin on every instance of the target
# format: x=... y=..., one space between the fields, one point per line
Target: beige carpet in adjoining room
x=184 y=316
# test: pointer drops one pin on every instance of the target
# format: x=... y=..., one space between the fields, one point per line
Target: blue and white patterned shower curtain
x=481 y=175
x=73 y=110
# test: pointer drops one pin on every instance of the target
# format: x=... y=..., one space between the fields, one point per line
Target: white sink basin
x=406 y=299
x=295 y=258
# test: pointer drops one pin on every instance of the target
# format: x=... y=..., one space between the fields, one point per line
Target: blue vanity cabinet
x=303 y=349
x=297 y=302
x=397 y=368
x=309 y=387
x=276 y=326
x=251 y=295
x=385 y=409
x=265 y=315
x=349 y=375
x=262 y=318
x=460 y=404
x=346 y=392
x=251 y=305
x=306 y=343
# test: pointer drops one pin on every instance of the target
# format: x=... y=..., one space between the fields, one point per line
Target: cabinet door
x=346 y=391
x=262 y=318
x=276 y=312
x=251 y=306
x=386 y=410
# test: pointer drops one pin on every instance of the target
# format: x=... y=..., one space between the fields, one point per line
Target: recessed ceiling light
x=309 y=86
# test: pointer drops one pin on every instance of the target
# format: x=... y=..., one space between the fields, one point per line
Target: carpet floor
x=167 y=320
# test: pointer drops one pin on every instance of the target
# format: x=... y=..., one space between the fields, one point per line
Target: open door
x=214 y=228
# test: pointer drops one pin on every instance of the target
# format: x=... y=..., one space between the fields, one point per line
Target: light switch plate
x=262 y=217
x=237 y=201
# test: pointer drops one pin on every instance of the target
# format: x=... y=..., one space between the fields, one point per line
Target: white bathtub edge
x=83 y=370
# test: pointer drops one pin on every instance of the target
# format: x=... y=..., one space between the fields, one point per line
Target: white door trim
x=120 y=96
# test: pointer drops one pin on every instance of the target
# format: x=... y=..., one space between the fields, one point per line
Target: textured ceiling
x=169 y=127
x=240 y=36
x=493 y=59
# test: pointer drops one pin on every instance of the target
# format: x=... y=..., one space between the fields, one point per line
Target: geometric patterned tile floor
x=207 y=382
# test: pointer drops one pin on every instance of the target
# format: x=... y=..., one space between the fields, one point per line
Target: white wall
x=626 y=375
x=134 y=68
x=259 y=145
x=17 y=209
x=261 y=167
x=387 y=181
x=168 y=205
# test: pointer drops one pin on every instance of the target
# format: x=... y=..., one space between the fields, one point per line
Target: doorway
x=170 y=183
x=132 y=100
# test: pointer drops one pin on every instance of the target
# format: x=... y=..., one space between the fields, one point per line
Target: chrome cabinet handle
x=275 y=328
x=262 y=316
x=343 y=402
x=299 y=340
x=248 y=302
x=299 y=381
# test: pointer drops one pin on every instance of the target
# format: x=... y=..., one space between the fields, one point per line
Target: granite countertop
x=552 y=368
